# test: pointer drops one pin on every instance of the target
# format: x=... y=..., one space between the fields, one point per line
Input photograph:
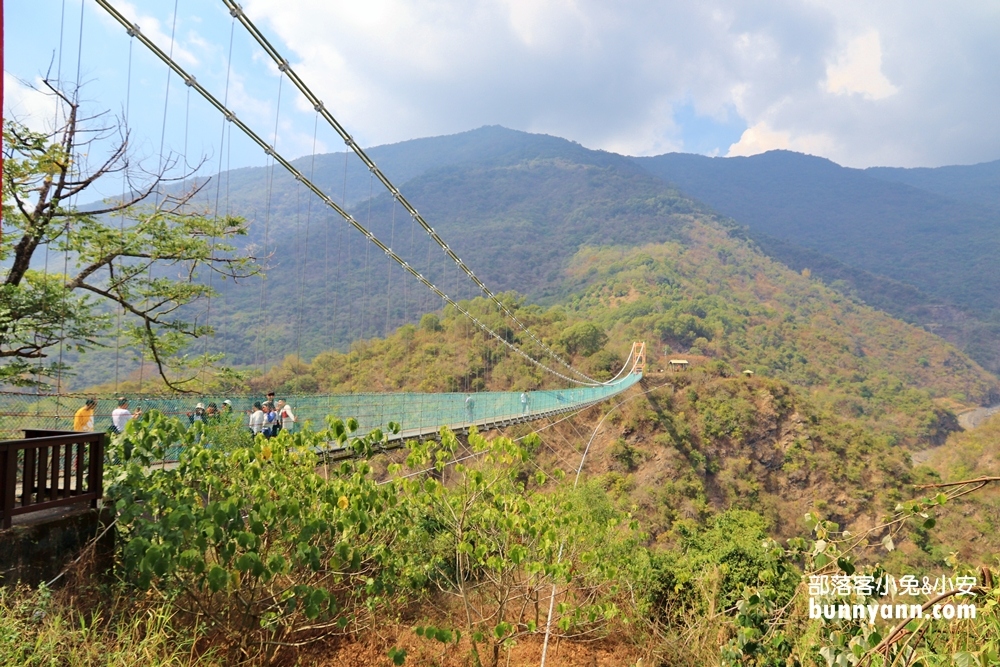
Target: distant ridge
x=933 y=229
x=976 y=183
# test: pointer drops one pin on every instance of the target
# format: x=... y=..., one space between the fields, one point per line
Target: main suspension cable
x=277 y=157
x=237 y=11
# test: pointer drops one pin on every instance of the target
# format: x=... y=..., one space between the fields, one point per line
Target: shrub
x=252 y=540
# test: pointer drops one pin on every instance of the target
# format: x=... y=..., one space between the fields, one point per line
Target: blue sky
x=898 y=83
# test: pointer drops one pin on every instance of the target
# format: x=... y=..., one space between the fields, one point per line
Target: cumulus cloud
x=863 y=84
x=158 y=32
x=899 y=82
x=859 y=70
x=28 y=104
x=761 y=138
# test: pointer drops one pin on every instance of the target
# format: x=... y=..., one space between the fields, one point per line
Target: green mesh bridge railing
x=418 y=414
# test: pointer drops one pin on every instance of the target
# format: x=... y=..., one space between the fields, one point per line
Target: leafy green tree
x=506 y=551
x=141 y=255
x=583 y=338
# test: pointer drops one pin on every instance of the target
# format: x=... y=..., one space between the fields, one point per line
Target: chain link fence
x=416 y=413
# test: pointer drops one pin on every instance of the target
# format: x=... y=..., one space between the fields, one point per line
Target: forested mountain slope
x=515 y=218
x=839 y=391
x=975 y=183
x=518 y=206
x=931 y=230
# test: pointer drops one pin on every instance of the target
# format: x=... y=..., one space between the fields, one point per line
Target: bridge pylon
x=639 y=357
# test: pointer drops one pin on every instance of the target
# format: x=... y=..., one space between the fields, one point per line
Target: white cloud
x=898 y=82
x=159 y=34
x=761 y=138
x=858 y=69
x=889 y=83
x=28 y=104
x=544 y=25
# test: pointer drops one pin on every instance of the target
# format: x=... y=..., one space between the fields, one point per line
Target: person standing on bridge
x=470 y=408
x=286 y=418
x=271 y=425
x=198 y=415
x=121 y=416
x=257 y=419
x=524 y=402
x=83 y=420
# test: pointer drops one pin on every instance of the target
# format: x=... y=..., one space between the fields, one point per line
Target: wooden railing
x=49 y=469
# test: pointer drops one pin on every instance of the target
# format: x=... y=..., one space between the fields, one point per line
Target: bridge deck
x=419 y=414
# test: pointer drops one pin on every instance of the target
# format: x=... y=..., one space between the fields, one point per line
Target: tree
x=583 y=338
x=504 y=551
x=140 y=255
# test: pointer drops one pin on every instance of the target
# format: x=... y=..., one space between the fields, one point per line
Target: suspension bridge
x=419 y=414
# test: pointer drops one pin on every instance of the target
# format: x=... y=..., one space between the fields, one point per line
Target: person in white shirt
x=285 y=416
x=257 y=419
x=120 y=416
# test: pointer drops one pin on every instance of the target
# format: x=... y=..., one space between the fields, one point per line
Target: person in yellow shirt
x=83 y=420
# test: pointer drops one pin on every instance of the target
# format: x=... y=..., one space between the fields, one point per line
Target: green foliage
x=504 y=548
x=728 y=413
x=583 y=338
x=253 y=537
x=731 y=553
x=772 y=629
x=269 y=552
x=111 y=263
x=430 y=322
x=625 y=454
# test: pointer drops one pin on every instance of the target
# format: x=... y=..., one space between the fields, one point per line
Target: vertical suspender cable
x=262 y=314
x=305 y=258
x=303 y=273
x=340 y=247
x=406 y=291
x=350 y=219
x=121 y=217
x=367 y=303
x=299 y=259
x=159 y=171
x=69 y=231
x=218 y=182
x=348 y=262
x=55 y=124
x=349 y=140
x=305 y=255
x=388 y=277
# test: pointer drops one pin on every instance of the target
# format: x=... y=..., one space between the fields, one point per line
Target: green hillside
x=978 y=183
x=933 y=231
x=517 y=207
x=839 y=390
x=515 y=219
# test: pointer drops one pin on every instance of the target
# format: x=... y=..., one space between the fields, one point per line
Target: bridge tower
x=639 y=354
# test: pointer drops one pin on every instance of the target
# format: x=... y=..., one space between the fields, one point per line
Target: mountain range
x=917 y=244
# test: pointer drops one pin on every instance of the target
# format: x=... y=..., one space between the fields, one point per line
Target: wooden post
x=9 y=472
x=96 y=484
